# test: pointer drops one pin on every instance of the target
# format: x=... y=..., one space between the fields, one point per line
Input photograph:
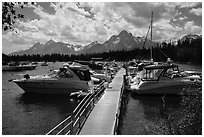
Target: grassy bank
x=188 y=119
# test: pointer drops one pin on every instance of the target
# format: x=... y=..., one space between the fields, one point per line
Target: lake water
x=141 y=113
x=34 y=114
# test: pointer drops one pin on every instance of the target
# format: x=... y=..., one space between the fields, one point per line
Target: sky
x=84 y=22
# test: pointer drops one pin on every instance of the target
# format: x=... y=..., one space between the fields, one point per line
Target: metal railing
x=74 y=123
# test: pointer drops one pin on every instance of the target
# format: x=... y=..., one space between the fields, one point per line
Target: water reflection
x=155 y=105
x=32 y=98
x=35 y=113
x=24 y=113
x=62 y=103
x=141 y=113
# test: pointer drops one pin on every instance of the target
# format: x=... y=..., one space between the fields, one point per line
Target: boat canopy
x=154 y=72
x=163 y=66
x=82 y=73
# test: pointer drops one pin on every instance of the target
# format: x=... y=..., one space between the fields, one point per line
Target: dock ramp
x=103 y=117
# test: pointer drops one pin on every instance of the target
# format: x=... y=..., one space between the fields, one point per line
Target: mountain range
x=123 y=41
x=47 y=48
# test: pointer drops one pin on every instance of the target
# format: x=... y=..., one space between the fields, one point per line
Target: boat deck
x=102 y=119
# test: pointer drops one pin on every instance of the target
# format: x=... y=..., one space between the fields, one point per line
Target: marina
x=110 y=101
x=106 y=68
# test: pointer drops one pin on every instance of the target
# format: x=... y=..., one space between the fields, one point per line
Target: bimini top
x=162 y=66
x=81 y=73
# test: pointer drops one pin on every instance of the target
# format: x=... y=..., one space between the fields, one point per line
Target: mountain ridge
x=123 y=41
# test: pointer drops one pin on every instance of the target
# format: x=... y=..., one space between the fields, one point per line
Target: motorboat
x=44 y=64
x=11 y=68
x=95 y=76
x=100 y=76
x=162 y=79
x=132 y=70
x=34 y=63
x=27 y=66
x=61 y=81
x=91 y=64
x=67 y=64
x=18 y=67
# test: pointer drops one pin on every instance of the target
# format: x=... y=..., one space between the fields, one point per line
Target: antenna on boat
x=150 y=27
x=146 y=37
x=151 y=37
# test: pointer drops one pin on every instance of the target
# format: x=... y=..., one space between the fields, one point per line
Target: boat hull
x=53 y=86
x=172 y=88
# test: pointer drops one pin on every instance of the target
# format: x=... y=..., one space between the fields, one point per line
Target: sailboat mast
x=151 y=37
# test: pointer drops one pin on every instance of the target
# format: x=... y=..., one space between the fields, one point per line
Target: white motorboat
x=18 y=67
x=28 y=67
x=162 y=79
x=62 y=81
x=11 y=68
x=100 y=76
x=95 y=76
x=44 y=64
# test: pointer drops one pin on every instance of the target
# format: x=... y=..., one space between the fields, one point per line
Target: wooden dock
x=103 y=117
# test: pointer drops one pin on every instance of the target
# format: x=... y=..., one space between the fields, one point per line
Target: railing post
x=63 y=126
x=116 y=123
x=79 y=124
x=72 y=124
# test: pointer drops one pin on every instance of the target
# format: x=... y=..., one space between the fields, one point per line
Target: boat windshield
x=83 y=75
x=62 y=72
x=152 y=74
x=171 y=72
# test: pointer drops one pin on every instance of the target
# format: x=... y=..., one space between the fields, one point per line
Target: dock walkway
x=102 y=119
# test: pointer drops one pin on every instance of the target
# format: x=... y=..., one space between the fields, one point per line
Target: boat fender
x=26 y=76
x=10 y=80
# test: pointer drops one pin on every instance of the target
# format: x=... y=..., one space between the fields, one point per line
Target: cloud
x=165 y=31
x=13 y=41
x=82 y=23
x=187 y=4
x=197 y=11
x=191 y=28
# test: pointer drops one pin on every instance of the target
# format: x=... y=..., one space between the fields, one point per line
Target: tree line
x=187 y=51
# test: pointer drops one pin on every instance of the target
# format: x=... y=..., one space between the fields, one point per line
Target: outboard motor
x=26 y=76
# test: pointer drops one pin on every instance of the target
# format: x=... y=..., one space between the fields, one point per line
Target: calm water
x=141 y=113
x=31 y=113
